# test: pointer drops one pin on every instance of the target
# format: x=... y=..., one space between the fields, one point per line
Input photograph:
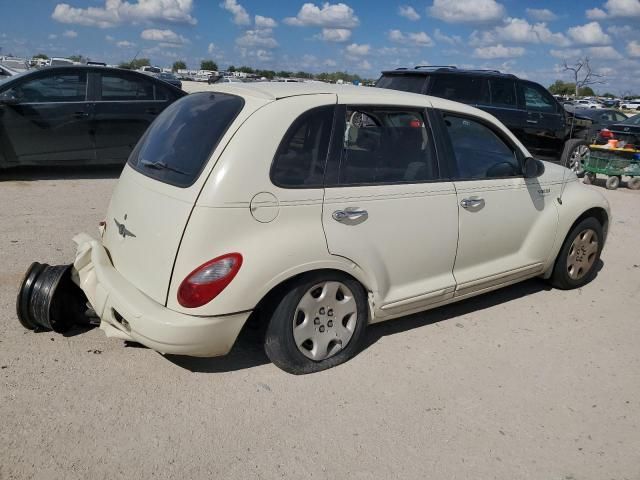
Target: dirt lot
x=524 y=383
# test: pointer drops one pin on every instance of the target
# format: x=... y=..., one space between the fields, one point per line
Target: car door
x=387 y=208
x=544 y=126
x=507 y=224
x=48 y=119
x=127 y=104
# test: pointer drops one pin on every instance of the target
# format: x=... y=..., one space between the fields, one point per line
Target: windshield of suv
x=178 y=144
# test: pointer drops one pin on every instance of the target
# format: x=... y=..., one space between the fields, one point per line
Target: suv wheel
x=576 y=152
x=318 y=324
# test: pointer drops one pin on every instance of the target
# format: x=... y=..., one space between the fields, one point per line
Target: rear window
x=404 y=83
x=178 y=143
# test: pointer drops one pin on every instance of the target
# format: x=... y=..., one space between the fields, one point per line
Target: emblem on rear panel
x=122 y=229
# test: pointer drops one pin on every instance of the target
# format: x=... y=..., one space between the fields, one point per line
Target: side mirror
x=532 y=167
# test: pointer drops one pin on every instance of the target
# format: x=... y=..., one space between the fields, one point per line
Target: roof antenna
x=565 y=165
x=134 y=59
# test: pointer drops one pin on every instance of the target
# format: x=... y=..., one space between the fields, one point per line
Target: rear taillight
x=207 y=281
x=606 y=133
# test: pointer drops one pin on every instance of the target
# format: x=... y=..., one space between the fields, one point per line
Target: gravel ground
x=523 y=383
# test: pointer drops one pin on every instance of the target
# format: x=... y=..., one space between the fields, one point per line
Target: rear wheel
x=613 y=183
x=318 y=324
x=577 y=261
x=634 y=183
x=574 y=155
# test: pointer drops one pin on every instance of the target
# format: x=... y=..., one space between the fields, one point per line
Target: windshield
x=177 y=145
x=635 y=120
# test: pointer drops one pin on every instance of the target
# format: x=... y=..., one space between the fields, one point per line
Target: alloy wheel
x=577 y=159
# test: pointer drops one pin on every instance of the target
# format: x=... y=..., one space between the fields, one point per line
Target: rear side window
x=383 y=145
x=60 y=88
x=479 y=152
x=120 y=87
x=177 y=145
x=503 y=93
x=302 y=154
x=404 y=83
x=459 y=88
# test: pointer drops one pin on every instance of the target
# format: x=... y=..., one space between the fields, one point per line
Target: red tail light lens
x=606 y=133
x=207 y=281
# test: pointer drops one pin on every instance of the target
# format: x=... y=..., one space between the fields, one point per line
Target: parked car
x=170 y=78
x=611 y=103
x=627 y=131
x=600 y=118
x=630 y=104
x=526 y=108
x=227 y=80
x=587 y=104
x=320 y=209
x=77 y=114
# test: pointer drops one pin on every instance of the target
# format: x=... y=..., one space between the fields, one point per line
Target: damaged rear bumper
x=125 y=312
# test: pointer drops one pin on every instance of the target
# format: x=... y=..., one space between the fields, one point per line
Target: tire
x=574 y=154
x=634 y=183
x=589 y=178
x=564 y=276
x=331 y=340
x=612 y=183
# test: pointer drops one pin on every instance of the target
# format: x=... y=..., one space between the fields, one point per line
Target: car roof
x=437 y=69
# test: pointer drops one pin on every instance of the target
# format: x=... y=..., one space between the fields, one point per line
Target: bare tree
x=582 y=73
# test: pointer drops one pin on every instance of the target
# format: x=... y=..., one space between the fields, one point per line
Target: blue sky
x=528 y=38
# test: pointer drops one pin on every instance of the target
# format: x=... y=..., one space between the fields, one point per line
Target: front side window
x=536 y=98
x=178 y=144
x=67 y=87
x=384 y=145
x=123 y=88
x=479 y=152
x=461 y=88
x=302 y=154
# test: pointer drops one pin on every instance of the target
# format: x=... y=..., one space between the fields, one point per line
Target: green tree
x=586 y=92
x=231 y=68
x=135 y=64
x=208 y=65
x=179 y=65
x=41 y=55
x=79 y=58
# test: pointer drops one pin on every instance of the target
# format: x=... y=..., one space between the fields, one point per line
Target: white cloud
x=240 y=15
x=460 y=11
x=257 y=38
x=167 y=37
x=418 y=39
x=109 y=38
x=605 y=53
x=52 y=36
x=542 y=14
x=70 y=34
x=498 y=51
x=566 y=53
x=633 y=49
x=620 y=31
x=616 y=8
x=519 y=30
x=408 y=13
x=265 y=22
x=329 y=63
x=118 y=12
x=356 y=50
x=335 y=34
x=212 y=49
x=339 y=15
x=364 y=65
x=451 y=40
x=125 y=44
x=596 y=14
x=589 y=34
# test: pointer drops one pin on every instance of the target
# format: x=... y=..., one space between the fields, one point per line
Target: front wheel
x=575 y=154
x=318 y=324
x=578 y=259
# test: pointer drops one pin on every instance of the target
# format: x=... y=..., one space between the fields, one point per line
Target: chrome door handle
x=472 y=203
x=534 y=122
x=350 y=214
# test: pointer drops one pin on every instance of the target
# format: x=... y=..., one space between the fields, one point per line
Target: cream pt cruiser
x=323 y=209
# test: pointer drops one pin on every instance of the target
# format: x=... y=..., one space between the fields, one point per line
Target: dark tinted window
x=635 y=120
x=460 y=88
x=503 y=92
x=120 y=87
x=479 y=152
x=384 y=145
x=302 y=154
x=67 y=87
x=178 y=143
x=620 y=117
x=405 y=83
x=537 y=98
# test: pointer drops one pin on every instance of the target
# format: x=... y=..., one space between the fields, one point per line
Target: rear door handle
x=532 y=121
x=472 y=203
x=350 y=214
x=80 y=114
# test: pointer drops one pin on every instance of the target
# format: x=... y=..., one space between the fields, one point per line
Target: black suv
x=526 y=108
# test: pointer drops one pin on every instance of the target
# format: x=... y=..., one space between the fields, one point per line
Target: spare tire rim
x=582 y=254
x=578 y=157
x=324 y=320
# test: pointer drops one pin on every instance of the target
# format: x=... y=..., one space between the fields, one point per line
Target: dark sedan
x=627 y=133
x=77 y=114
x=600 y=118
x=170 y=78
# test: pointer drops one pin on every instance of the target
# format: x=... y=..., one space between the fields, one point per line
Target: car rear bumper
x=125 y=312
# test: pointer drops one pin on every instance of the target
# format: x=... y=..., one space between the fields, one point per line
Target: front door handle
x=350 y=214
x=80 y=114
x=533 y=122
x=472 y=203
